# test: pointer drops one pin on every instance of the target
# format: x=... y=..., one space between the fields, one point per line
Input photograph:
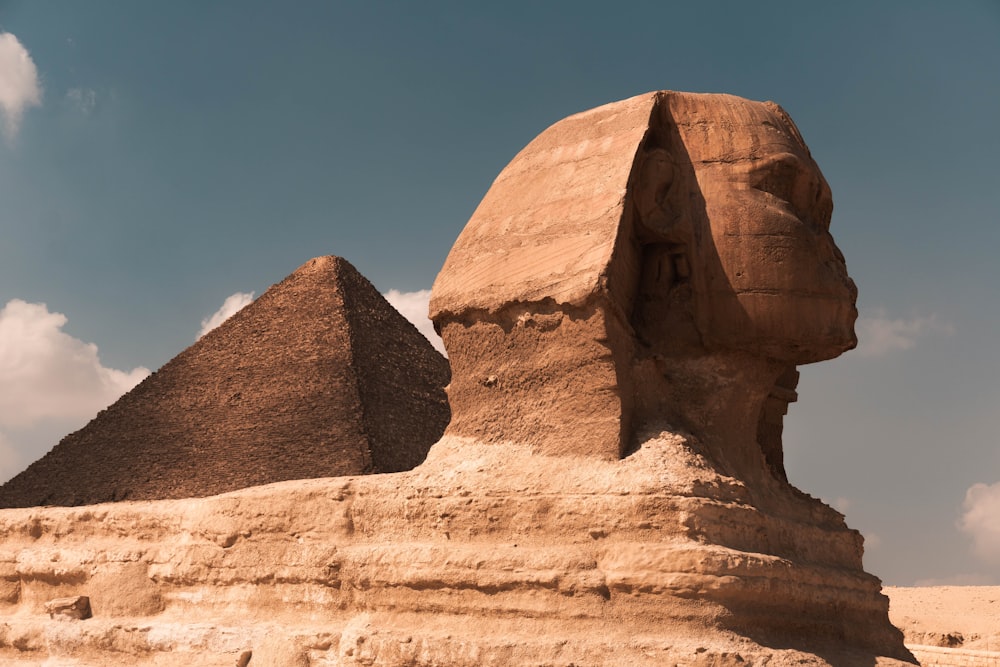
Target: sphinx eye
x=778 y=176
x=790 y=180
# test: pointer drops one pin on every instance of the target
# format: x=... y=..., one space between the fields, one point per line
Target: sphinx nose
x=851 y=287
x=834 y=260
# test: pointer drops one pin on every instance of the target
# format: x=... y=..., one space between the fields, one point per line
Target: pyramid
x=318 y=377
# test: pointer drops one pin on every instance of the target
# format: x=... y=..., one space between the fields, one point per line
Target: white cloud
x=981 y=520
x=19 y=88
x=46 y=373
x=414 y=307
x=83 y=99
x=11 y=461
x=232 y=305
x=50 y=383
x=879 y=334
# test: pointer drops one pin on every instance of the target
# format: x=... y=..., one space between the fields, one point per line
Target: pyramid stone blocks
x=318 y=377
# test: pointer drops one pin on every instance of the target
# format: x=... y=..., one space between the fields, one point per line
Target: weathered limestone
x=482 y=555
x=660 y=264
x=318 y=377
x=621 y=246
x=624 y=314
x=75 y=608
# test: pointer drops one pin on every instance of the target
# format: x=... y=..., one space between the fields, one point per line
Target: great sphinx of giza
x=665 y=259
x=624 y=314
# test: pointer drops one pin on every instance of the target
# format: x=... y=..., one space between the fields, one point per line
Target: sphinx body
x=624 y=313
x=657 y=267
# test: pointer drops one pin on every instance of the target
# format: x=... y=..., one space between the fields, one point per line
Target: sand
x=951 y=616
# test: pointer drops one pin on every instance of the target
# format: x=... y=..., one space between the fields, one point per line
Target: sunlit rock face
x=666 y=230
x=624 y=314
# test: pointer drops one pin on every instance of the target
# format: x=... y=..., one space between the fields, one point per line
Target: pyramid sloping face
x=318 y=377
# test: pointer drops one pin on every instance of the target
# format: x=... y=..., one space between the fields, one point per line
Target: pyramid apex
x=323 y=263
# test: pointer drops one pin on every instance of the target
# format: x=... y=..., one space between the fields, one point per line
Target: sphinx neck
x=717 y=398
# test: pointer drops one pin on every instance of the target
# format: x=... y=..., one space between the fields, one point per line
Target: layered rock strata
x=318 y=377
x=481 y=556
x=624 y=314
x=662 y=263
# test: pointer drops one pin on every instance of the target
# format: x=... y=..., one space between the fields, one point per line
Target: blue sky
x=175 y=154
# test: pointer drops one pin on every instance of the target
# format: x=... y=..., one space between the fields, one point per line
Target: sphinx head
x=733 y=215
x=630 y=264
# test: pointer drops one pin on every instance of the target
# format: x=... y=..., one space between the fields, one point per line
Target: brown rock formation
x=623 y=251
x=624 y=313
x=661 y=264
x=482 y=556
x=318 y=377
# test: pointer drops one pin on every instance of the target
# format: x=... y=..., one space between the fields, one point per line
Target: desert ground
x=949 y=625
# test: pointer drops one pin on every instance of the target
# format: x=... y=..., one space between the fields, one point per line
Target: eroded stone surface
x=678 y=227
x=624 y=314
x=75 y=608
x=481 y=556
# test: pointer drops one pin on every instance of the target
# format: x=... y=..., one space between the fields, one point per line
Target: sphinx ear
x=659 y=185
x=654 y=176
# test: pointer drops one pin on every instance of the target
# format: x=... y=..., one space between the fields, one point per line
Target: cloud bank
x=19 y=88
x=45 y=372
x=879 y=334
x=232 y=305
x=11 y=460
x=414 y=306
x=981 y=520
x=48 y=380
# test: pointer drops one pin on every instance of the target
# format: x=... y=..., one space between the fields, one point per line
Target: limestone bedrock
x=624 y=313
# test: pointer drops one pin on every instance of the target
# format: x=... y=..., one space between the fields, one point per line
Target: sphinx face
x=774 y=282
